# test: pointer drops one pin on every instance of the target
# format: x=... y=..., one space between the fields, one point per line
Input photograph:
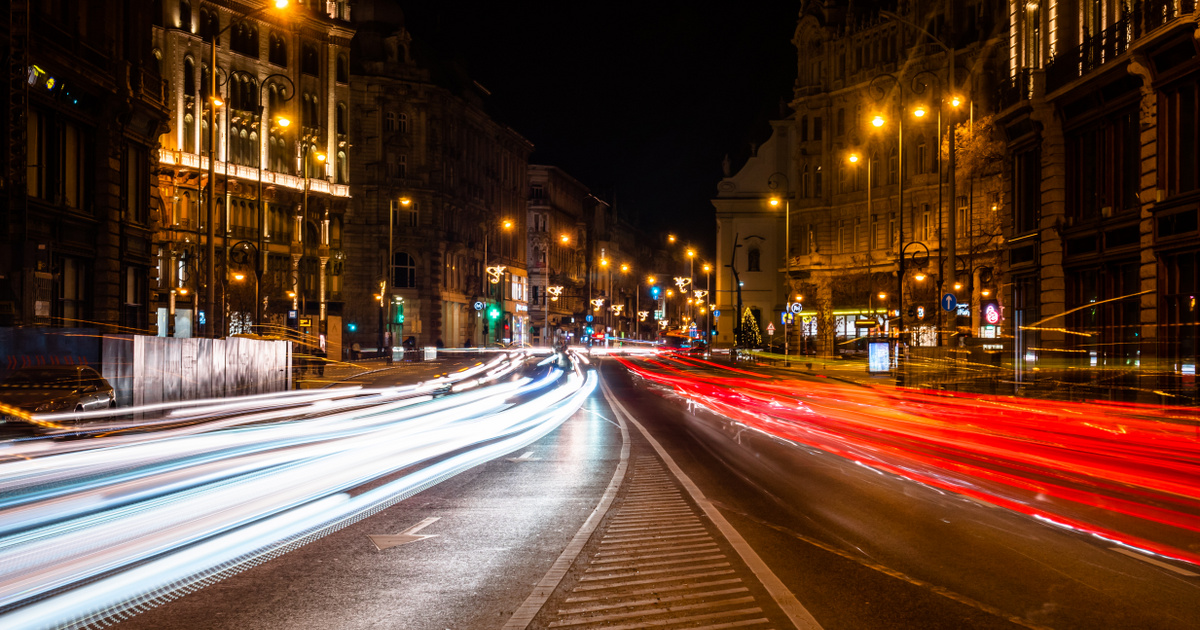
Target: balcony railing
x=199 y=162
x=1015 y=89
x=1112 y=42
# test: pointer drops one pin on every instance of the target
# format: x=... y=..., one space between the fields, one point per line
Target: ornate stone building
x=882 y=222
x=281 y=170
x=558 y=239
x=83 y=108
x=1100 y=106
x=455 y=182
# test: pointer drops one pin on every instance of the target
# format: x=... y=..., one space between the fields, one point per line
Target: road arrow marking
x=527 y=457
x=387 y=541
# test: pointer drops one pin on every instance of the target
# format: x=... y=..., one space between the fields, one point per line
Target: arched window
x=210 y=25
x=189 y=133
x=278 y=50
x=244 y=143
x=389 y=122
x=753 y=259
x=921 y=156
x=343 y=68
x=893 y=165
x=189 y=76
x=254 y=149
x=343 y=168
x=341 y=118
x=310 y=61
x=403 y=123
x=805 y=182
x=204 y=139
x=404 y=271
x=874 y=170
x=817 y=183
x=185 y=16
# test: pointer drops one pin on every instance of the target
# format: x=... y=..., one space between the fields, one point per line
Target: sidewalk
x=404 y=371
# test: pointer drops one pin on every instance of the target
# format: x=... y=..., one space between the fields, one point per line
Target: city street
x=646 y=506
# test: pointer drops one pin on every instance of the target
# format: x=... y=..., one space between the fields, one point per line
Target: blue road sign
x=478 y=305
x=589 y=319
x=796 y=307
x=716 y=313
x=949 y=302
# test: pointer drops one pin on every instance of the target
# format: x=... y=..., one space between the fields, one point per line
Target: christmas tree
x=751 y=338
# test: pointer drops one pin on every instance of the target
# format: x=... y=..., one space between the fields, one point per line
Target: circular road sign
x=478 y=305
x=949 y=302
x=796 y=307
x=589 y=319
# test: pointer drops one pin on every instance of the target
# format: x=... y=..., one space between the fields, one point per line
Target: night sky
x=640 y=101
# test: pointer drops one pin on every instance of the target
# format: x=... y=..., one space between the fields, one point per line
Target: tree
x=750 y=337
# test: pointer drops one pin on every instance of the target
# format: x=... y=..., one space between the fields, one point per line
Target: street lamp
x=773 y=185
x=211 y=245
x=494 y=273
x=708 y=316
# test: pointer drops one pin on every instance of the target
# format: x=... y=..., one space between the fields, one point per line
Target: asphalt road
x=718 y=525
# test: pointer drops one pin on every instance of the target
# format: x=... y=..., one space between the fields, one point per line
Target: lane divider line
x=795 y=611
x=525 y=613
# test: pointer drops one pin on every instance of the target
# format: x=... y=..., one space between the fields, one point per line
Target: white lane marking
x=654 y=590
x=795 y=611
x=387 y=541
x=633 y=572
x=691 y=618
x=626 y=565
x=656 y=581
x=709 y=548
x=649 y=602
x=1157 y=563
x=735 y=601
x=528 y=609
x=527 y=457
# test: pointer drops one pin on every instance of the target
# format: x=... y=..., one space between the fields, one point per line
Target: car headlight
x=53 y=405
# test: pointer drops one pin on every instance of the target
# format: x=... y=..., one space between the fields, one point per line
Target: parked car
x=56 y=389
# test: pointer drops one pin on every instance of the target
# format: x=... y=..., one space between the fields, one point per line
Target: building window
x=404 y=271
x=922 y=156
x=310 y=60
x=1027 y=182
x=341 y=118
x=185 y=16
x=753 y=259
x=210 y=26
x=402 y=166
x=311 y=110
x=343 y=68
x=893 y=165
x=804 y=129
x=244 y=40
x=278 y=50
x=817 y=129
x=805 y=182
x=389 y=122
x=926 y=228
x=841 y=121
x=403 y=123
x=136 y=185
x=343 y=168
x=817 y=191
x=72 y=292
x=1178 y=128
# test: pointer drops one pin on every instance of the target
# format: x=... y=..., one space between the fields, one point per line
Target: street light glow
x=405 y=201
x=958 y=286
x=774 y=201
x=691 y=253
x=882 y=295
x=919 y=277
x=183 y=291
x=670 y=238
x=877 y=120
x=956 y=101
x=281 y=4
x=565 y=239
x=239 y=276
x=919 y=112
x=283 y=121
x=853 y=158
x=320 y=157
x=217 y=102
x=603 y=262
x=707 y=267
x=624 y=268
x=508 y=224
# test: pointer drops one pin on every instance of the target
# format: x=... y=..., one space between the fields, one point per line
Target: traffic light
x=655 y=291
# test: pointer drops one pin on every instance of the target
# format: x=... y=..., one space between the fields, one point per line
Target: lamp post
x=552 y=294
x=691 y=254
x=211 y=245
x=773 y=184
x=708 y=317
x=283 y=122
x=493 y=274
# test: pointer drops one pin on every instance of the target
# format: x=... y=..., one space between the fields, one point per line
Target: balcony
x=250 y=173
x=1145 y=18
